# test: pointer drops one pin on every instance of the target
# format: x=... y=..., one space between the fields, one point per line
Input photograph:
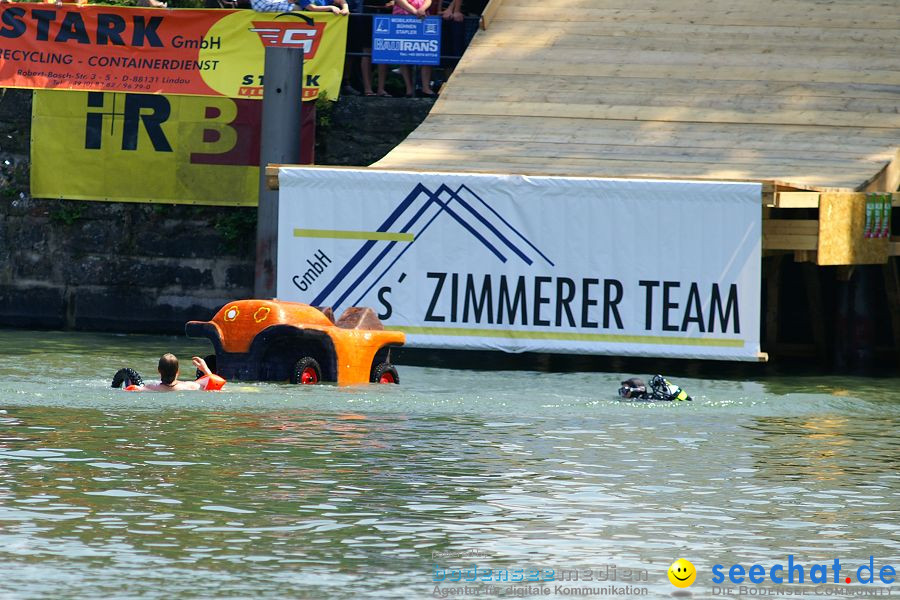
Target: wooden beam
x=489 y=12
x=272 y=176
x=805 y=256
x=772 y=270
x=790 y=242
x=790 y=234
x=797 y=200
x=844 y=272
x=816 y=310
x=790 y=226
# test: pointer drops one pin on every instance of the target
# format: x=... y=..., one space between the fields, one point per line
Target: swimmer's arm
x=201 y=364
x=147 y=387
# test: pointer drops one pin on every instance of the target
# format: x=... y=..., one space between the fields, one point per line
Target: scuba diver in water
x=660 y=389
x=168 y=376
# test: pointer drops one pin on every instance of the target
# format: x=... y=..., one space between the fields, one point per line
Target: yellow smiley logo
x=682 y=573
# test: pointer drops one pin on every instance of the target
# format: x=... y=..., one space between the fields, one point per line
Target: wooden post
x=773 y=292
x=815 y=310
x=892 y=289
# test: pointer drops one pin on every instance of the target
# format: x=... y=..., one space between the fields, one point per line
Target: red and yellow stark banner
x=161 y=51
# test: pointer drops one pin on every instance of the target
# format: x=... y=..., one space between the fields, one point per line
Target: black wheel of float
x=127 y=377
x=385 y=373
x=211 y=363
x=306 y=371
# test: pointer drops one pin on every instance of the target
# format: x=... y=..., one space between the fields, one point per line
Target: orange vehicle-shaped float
x=269 y=340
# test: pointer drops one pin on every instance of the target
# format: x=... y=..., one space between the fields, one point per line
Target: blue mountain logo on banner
x=415 y=215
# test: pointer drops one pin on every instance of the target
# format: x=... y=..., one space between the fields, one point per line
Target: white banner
x=544 y=264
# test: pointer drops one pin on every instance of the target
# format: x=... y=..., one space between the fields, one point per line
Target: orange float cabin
x=269 y=340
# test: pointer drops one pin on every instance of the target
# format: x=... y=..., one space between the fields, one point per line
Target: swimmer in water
x=168 y=375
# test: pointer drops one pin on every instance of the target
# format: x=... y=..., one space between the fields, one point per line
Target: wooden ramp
x=799 y=91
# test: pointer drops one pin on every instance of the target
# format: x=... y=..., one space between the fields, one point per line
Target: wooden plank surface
x=600 y=111
x=805 y=91
x=763 y=59
x=701 y=135
x=516 y=64
x=694 y=35
x=499 y=83
x=813 y=10
x=606 y=168
x=787 y=13
x=773 y=158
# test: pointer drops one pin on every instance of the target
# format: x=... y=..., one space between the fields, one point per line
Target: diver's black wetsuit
x=660 y=389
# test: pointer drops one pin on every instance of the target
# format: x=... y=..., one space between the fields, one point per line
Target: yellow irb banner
x=145 y=148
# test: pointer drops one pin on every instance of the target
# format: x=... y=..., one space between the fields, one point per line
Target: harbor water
x=438 y=487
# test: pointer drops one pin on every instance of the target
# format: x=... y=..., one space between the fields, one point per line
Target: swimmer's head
x=168 y=368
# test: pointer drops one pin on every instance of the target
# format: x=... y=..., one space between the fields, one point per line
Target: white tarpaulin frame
x=515 y=263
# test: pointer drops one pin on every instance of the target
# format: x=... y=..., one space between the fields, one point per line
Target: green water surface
x=279 y=491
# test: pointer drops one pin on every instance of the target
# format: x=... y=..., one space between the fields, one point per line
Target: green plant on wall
x=237 y=227
x=13 y=180
x=324 y=109
x=67 y=213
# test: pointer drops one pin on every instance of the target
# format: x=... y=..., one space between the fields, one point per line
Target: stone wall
x=124 y=267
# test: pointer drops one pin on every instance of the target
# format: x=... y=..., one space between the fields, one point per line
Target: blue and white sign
x=538 y=264
x=406 y=40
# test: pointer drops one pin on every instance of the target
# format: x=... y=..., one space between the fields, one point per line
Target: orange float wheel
x=306 y=371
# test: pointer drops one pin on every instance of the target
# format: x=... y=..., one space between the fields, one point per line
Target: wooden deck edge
x=887 y=180
x=489 y=12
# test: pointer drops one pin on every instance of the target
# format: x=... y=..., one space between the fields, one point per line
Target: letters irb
x=68 y=26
